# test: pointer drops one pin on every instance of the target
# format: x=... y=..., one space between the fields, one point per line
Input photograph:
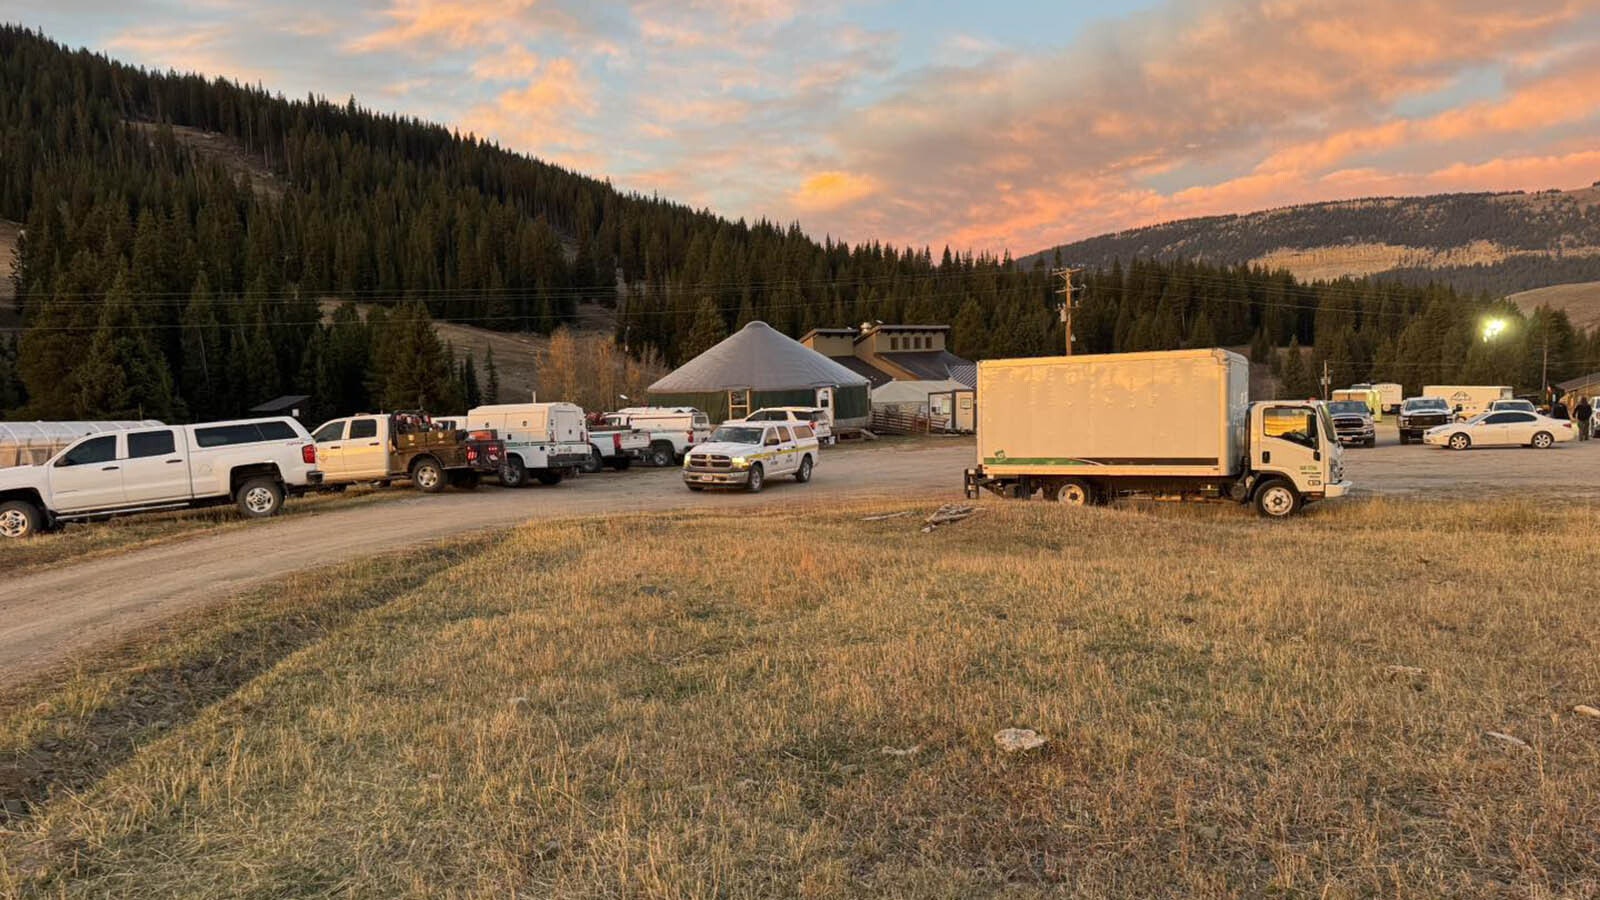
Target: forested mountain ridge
x=1498 y=243
x=183 y=239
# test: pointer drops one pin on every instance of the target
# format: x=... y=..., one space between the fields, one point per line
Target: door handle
x=173 y=462
x=110 y=468
x=374 y=444
x=334 y=447
x=1266 y=456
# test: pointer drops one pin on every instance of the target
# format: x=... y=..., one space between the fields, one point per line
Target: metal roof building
x=758 y=366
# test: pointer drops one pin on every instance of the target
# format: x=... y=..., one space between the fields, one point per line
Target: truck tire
x=428 y=475
x=513 y=474
x=620 y=464
x=259 y=497
x=1372 y=442
x=466 y=481
x=594 y=463
x=20 y=519
x=1460 y=441
x=662 y=454
x=1072 y=492
x=758 y=479
x=1277 y=499
x=1404 y=439
x=549 y=477
x=803 y=474
x=1543 y=441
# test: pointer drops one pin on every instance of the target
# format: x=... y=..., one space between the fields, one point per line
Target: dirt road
x=45 y=616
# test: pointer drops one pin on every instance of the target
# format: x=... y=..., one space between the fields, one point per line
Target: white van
x=547 y=441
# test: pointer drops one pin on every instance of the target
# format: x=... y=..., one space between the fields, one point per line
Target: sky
x=990 y=126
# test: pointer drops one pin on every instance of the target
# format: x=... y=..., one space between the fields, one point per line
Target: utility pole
x=1326 y=381
x=1069 y=295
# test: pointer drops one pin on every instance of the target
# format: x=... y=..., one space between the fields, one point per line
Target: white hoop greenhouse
x=31 y=443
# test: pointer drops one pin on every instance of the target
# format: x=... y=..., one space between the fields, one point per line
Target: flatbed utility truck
x=404 y=445
x=1085 y=429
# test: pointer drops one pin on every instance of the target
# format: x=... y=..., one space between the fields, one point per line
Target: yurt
x=31 y=443
x=758 y=367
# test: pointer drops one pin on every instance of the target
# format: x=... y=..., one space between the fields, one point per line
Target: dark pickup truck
x=1418 y=414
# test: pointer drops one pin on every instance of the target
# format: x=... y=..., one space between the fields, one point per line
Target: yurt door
x=825 y=402
x=738 y=404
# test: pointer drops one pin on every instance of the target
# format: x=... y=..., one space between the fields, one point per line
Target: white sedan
x=1511 y=428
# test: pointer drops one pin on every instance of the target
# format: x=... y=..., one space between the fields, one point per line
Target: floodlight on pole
x=1493 y=328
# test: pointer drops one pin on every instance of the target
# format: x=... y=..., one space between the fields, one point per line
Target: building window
x=894 y=343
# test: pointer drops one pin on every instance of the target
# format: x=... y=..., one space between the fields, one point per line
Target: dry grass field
x=804 y=704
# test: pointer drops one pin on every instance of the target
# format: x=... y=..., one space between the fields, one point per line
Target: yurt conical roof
x=758 y=357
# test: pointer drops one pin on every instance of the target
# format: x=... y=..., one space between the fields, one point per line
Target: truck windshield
x=1427 y=404
x=1347 y=407
x=733 y=434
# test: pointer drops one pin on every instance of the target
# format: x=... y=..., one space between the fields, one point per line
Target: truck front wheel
x=20 y=519
x=259 y=498
x=758 y=478
x=1277 y=500
x=428 y=477
x=1072 y=492
x=661 y=454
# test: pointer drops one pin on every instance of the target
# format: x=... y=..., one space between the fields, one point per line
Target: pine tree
x=491 y=385
x=1295 y=381
x=1261 y=348
x=469 y=383
x=122 y=374
x=708 y=331
x=415 y=371
x=201 y=380
x=1201 y=335
x=11 y=395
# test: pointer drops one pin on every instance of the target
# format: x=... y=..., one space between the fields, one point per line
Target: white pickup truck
x=672 y=429
x=746 y=454
x=252 y=462
x=616 y=447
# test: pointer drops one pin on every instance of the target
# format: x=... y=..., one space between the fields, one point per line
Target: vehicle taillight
x=308 y=454
x=616 y=444
x=691 y=436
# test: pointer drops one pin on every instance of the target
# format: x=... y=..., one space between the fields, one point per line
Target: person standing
x=1583 y=414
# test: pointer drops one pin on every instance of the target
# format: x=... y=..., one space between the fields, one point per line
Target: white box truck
x=1467 y=400
x=545 y=441
x=1084 y=429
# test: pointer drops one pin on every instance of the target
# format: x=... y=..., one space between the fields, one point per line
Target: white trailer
x=1084 y=429
x=548 y=441
x=1467 y=400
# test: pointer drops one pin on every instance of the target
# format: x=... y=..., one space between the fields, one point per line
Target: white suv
x=747 y=454
x=816 y=417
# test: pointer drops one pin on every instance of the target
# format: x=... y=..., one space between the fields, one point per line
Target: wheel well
x=425 y=457
x=244 y=473
x=29 y=495
x=1271 y=480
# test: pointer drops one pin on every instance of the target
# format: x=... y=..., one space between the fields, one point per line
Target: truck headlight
x=740 y=462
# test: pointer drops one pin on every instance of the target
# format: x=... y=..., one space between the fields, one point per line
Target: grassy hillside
x=1581 y=302
x=580 y=709
x=1498 y=243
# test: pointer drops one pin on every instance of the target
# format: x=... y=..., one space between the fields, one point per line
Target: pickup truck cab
x=747 y=454
x=672 y=429
x=252 y=462
x=380 y=448
x=816 y=417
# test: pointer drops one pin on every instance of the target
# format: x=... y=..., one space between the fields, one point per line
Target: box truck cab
x=1085 y=429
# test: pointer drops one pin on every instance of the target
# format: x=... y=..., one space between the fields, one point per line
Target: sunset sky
x=1008 y=124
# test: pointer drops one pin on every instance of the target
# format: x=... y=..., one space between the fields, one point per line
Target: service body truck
x=1467 y=400
x=381 y=448
x=1391 y=394
x=251 y=462
x=1367 y=395
x=672 y=429
x=543 y=441
x=1084 y=429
